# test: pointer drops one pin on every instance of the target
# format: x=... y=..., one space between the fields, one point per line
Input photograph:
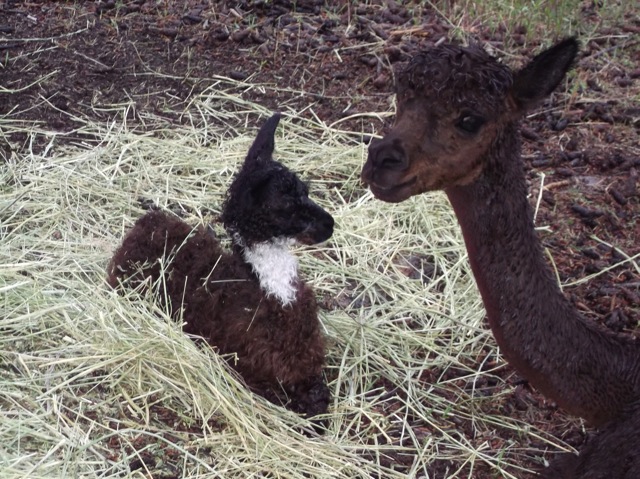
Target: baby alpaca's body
x=217 y=296
x=248 y=303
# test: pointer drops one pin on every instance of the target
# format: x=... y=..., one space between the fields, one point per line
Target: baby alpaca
x=248 y=303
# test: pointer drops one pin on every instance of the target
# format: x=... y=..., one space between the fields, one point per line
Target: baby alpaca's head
x=266 y=201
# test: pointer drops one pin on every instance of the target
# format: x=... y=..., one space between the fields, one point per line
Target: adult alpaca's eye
x=470 y=123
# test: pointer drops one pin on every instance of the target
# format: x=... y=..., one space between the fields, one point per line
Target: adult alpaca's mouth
x=393 y=193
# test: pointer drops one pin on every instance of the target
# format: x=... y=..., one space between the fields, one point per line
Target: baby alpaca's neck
x=276 y=268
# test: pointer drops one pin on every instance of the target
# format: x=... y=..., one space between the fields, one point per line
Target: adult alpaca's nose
x=388 y=155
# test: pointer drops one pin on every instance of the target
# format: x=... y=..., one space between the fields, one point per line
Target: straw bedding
x=96 y=384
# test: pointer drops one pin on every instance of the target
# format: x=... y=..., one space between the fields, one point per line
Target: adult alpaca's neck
x=587 y=371
x=275 y=267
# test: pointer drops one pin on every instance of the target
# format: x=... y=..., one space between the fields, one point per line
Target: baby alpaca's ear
x=262 y=148
x=543 y=74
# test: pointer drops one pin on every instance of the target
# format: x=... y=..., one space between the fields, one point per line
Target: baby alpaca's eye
x=470 y=123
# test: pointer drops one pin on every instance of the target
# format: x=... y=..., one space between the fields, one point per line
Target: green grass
x=538 y=20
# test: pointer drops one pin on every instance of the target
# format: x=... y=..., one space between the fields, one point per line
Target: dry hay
x=99 y=385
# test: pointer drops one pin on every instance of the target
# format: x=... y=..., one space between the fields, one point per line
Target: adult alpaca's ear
x=543 y=74
x=262 y=148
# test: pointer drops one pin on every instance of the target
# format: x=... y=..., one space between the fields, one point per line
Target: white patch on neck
x=276 y=268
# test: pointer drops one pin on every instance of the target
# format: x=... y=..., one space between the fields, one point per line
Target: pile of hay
x=95 y=384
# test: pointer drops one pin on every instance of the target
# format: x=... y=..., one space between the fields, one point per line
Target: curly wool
x=275 y=267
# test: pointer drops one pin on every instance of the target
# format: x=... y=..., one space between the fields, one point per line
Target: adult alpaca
x=457 y=129
x=249 y=302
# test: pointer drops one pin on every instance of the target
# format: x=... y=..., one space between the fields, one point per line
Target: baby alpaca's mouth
x=312 y=236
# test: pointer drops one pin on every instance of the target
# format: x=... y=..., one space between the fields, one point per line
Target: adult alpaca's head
x=267 y=209
x=267 y=202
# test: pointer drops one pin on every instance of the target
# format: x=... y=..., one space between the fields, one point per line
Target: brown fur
x=611 y=454
x=588 y=370
x=216 y=295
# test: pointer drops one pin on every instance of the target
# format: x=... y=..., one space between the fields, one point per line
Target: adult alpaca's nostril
x=392 y=161
x=389 y=156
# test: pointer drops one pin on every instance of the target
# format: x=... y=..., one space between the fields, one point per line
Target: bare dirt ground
x=62 y=60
